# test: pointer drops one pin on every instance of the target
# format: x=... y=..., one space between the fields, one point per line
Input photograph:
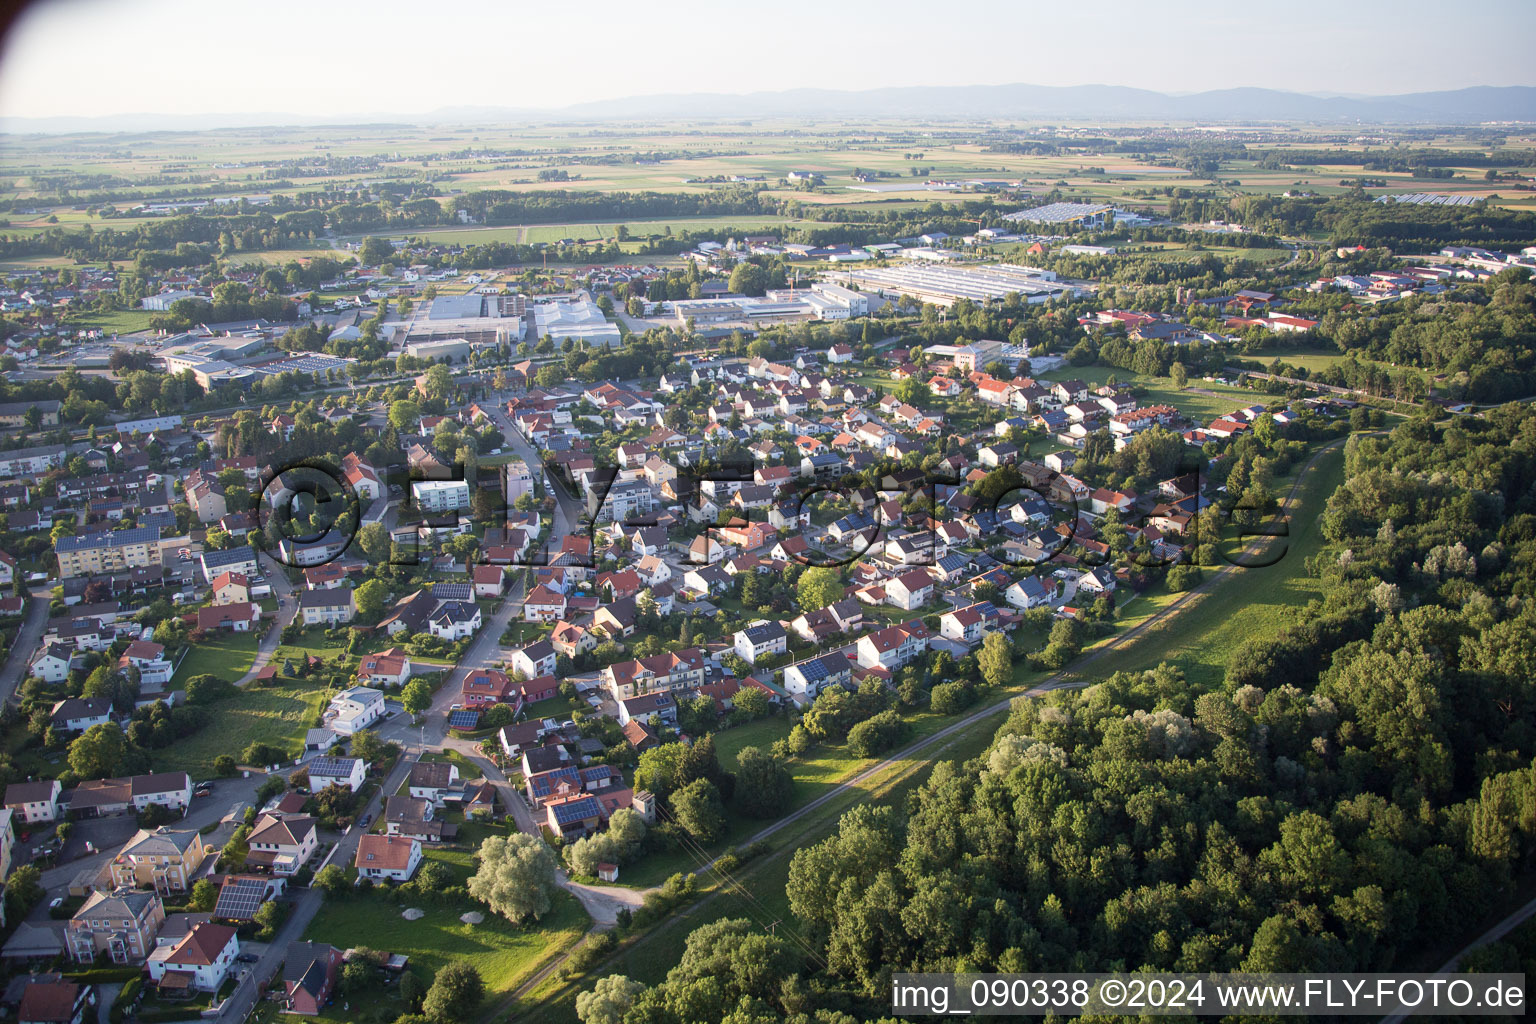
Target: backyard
x=223 y=653
x=504 y=954
x=278 y=715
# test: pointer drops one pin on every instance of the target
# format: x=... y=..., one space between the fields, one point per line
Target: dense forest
x=1360 y=788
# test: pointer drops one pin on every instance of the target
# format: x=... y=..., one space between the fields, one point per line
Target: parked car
x=367 y=820
x=56 y=903
x=247 y=958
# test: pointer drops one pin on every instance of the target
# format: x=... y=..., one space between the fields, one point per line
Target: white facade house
x=204 y=957
x=327 y=606
x=342 y=771
x=391 y=858
x=355 y=709
x=759 y=640
x=34 y=801
x=440 y=495
x=52 y=663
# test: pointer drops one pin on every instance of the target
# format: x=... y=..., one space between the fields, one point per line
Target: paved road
x=27 y=638
x=287 y=608
x=303 y=910
x=1515 y=919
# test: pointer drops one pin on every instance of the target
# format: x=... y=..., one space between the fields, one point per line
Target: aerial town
x=698 y=570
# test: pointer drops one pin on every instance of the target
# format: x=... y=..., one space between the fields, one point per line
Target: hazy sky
x=324 y=57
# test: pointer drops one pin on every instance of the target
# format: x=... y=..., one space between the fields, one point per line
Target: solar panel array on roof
x=577 y=810
x=1428 y=199
x=240 y=898
x=464 y=718
x=453 y=591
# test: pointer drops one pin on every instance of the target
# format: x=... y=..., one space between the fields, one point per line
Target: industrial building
x=579 y=319
x=946 y=285
x=1080 y=215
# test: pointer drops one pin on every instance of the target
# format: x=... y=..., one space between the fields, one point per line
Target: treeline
x=1358 y=789
x=501 y=207
x=1481 y=339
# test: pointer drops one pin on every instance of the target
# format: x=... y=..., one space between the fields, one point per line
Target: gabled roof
x=202 y=945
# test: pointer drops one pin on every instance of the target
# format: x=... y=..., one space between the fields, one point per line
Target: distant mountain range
x=953 y=102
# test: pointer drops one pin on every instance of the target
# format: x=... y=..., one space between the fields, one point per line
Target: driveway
x=303 y=910
x=28 y=637
x=287 y=608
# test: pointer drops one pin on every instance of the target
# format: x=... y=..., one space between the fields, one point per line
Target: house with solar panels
x=339 y=771
x=805 y=680
x=242 y=895
x=573 y=816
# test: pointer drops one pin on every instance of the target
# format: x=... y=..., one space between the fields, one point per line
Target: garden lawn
x=467 y=768
x=504 y=955
x=224 y=653
x=257 y=714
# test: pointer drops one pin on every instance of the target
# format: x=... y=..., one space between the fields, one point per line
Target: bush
x=263 y=753
x=125 y=999
x=208 y=689
x=878 y=734
x=226 y=766
x=1183 y=577
x=948 y=698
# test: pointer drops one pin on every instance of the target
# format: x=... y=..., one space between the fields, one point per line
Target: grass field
x=1258 y=602
x=120 y=321
x=223 y=653
x=267 y=714
x=502 y=953
x=1200 y=400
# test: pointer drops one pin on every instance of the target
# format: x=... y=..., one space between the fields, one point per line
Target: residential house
x=805 y=680
x=387 y=668
x=199 y=962
x=433 y=780
x=76 y=714
x=387 y=858
x=354 y=709
x=231 y=588
x=56 y=1002
x=102 y=797
x=337 y=771
x=282 y=843
x=892 y=647
x=239 y=617
x=51 y=664
x=34 y=801
x=327 y=607
x=760 y=640
x=535 y=659
x=121 y=925
x=309 y=976
x=650 y=708
x=909 y=591
x=164 y=860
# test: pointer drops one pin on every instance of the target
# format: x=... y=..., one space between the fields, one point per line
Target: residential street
x=287 y=608
x=307 y=905
x=28 y=636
